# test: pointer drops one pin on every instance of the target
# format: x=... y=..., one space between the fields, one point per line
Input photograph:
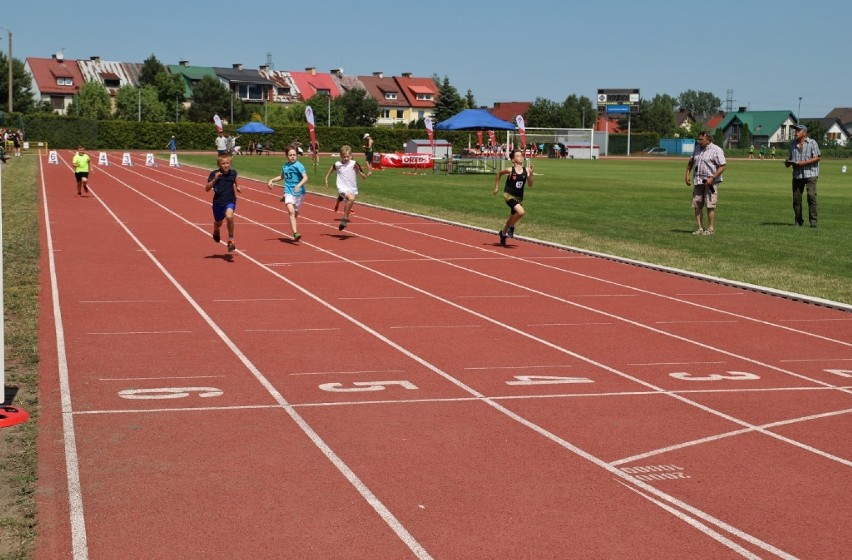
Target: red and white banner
x=519 y=120
x=492 y=138
x=309 y=116
x=429 y=131
x=218 y=122
x=479 y=138
x=404 y=160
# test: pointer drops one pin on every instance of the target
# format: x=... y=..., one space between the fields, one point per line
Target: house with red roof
x=393 y=105
x=508 y=110
x=310 y=83
x=421 y=94
x=55 y=79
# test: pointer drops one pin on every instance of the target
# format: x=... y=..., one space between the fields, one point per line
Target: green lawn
x=640 y=209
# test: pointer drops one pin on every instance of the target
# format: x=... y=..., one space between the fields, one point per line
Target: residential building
x=191 y=75
x=836 y=133
x=393 y=105
x=508 y=110
x=55 y=79
x=284 y=89
x=765 y=127
x=249 y=86
x=421 y=95
x=311 y=83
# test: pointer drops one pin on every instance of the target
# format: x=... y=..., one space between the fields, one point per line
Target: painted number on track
x=729 y=376
x=170 y=393
x=362 y=386
x=840 y=372
x=547 y=380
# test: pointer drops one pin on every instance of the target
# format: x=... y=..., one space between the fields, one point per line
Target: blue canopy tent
x=255 y=127
x=475 y=119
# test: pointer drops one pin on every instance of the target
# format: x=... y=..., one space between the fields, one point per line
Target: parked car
x=656 y=151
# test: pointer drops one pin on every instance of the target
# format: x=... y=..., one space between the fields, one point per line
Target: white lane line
x=496 y=296
x=705 y=294
x=294 y=330
x=160 y=378
x=375 y=298
x=826 y=320
x=717 y=437
x=249 y=300
x=489 y=368
x=121 y=301
x=436 y=327
x=691 y=322
x=349 y=372
x=125 y=333
x=817 y=360
x=565 y=324
x=672 y=363
x=77 y=520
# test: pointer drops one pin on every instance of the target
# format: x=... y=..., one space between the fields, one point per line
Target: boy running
x=347 y=170
x=513 y=192
x=223 y=182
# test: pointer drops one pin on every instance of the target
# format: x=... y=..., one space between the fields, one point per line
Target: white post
x=2 y=296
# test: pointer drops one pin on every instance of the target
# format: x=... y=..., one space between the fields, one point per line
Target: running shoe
x=85 y=187
x=231 y=247
x=709 y=232
x=297 y=236
x=502 y=238
x=699 y=231
x=216 y=236
x=511 y=232
x=343 y=224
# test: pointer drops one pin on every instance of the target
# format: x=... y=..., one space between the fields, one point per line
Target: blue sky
x=769 y=56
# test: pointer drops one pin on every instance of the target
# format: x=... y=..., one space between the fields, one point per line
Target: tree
x=817 y=132
x=210 y=98
x=357 y=108
x=543 y=113
x=577 y=112
x=129 y=99
x=91 y=102
x=700 y=104
x=469 y=100
x=745 y=136
x=22 y=96
x=449 y=101
x=151 y=68
x=656 y=115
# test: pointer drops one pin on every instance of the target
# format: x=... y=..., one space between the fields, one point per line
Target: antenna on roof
x=269 y=62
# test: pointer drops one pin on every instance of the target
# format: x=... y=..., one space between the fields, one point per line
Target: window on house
x=385 y=113
x=112 y=83
x=399 y=113
x=283 y=90
x=424 y=97
x=64 y=82
x=390 y=95
x=251 y=92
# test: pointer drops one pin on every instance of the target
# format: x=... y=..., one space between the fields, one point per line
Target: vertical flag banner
x=519 y=120
x=492 y=138
x=479 y=138
x=218 y=122
x=429 y=131
x=309 y=116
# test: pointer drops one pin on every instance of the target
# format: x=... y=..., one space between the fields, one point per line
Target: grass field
x=640 y=209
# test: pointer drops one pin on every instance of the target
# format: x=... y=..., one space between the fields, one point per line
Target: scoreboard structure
x=623 y=101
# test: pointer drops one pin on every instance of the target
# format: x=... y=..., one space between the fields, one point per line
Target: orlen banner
x=403 y=160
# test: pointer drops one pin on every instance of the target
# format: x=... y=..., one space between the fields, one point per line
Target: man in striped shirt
x=804 y=159
x=704 y=172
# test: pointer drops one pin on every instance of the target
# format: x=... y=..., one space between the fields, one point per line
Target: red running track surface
x=410 y=389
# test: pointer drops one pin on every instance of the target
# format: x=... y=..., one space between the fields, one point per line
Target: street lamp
x=328 y=94
x=799 y=113
x=9 y=31
x=139 y=103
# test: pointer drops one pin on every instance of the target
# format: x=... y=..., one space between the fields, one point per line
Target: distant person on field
x=347 y=170
x=294 y=175
x=81 y=162
x=223 y=182
x=222 y=144
x=772 y=152
x=704 y=172
x=368 y=152
x=751 y=152
x=517 y=177
x=804 y=158
x=18 y=140
x=172 y=145
x=314 y=149
x=763 y=152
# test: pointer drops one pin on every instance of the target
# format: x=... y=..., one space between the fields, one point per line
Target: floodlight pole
x=139 y=103
x=799 y=113
x=11 y=89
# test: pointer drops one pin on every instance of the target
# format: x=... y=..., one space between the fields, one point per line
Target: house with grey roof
x=248 y=85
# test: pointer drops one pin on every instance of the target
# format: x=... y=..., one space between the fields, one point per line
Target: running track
x=409 y=389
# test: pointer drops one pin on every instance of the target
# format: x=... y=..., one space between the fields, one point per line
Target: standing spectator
x=81 y=161
x=517 y=176
x=223 y=181
x=804 y=159
x=751 y=152
x=772 y=152
x=221 y=144
x=368 y=152
x=18 y=140
x=314 y=148
x=762 y=152
x=295 y=176
x=704 y=172
x=172 y=145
